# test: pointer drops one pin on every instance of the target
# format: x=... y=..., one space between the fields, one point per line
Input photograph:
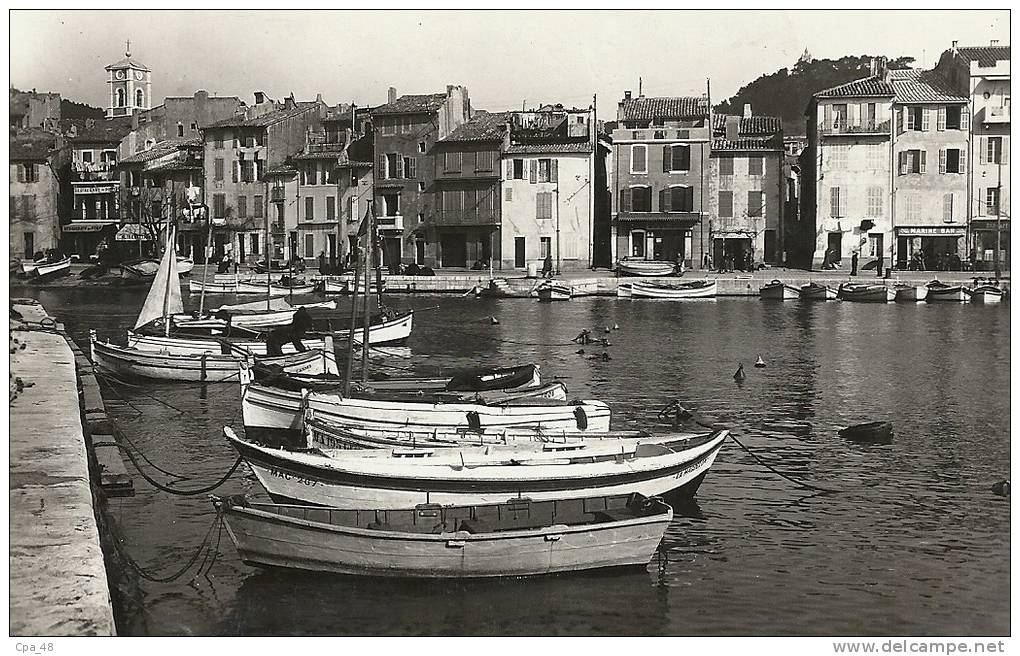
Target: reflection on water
x=913 y=542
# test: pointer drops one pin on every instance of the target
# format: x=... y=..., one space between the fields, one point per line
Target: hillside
x=71 y=109
x=786 y=92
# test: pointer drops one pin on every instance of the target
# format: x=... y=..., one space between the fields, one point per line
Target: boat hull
x=269 y=539
x=674 y=292
x=52 y=270
x=911 y=293
x=354 y=483
x=549 y=293
x=985 y=294
x=950 y=294
x=647 y=268
x=866 y=293
x=814 y=292
x=779 y=292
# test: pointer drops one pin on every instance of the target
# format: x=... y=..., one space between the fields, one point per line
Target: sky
x=506 y=58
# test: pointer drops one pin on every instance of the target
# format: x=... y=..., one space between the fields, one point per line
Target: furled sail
x=165 y=294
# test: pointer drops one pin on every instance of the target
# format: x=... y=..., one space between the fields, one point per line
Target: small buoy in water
x=740 y=375
x=494 y=321
x=616 y=326
x=1001 y=488
x=605 y=342
x=605 y=357
x=580 y=351
x=759 y=362
x=607 y=329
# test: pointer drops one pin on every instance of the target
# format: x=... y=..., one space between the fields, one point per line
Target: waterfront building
x=405 y=132
x=982 y=75
x=130 y=83
x=238 y=152
x=36 y=162
x=32 y=109
x=661 y=150
x=547 y=205
x=745 y=189
x=177 y=117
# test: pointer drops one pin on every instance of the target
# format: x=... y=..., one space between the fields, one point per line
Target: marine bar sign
x=85 y=227
x=104 y=188
x=930 y=231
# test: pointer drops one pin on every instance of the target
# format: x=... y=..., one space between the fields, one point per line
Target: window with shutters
x=838 y=156
x=518 y=172
x=309 y=245
x=876 y=156
x=508 y=194
x=992 y=201
x=839 y=116
x=332 y=174
x=235 y=171
x=451 y=162
x=639 y=158
x=391 y=204
x=544 y=170
x=836 y=201
x=248 y=171
x=913 y=207
x=390 y=171
x=309 y=209
x=993 y=151
x=875 y=201
x=679 y=156
x=951 y=161
x=755 y=165
x=30 y=173
x=330 y=208
x=219 y=206
x=546 y=247
x=543 y=205
x=947 y=208
x=726 y=204
x=755 y=204
x=218 y=143
x=218 y=168
x=916 y=118
x=410 y=167
x=483 y=160
x=912 y=161
x=725 y=166
x=387 y=125
x=681 y=199
x=257 y=207
x=641 y=199
x=953 y=118
x=451 y=201
x=242 y=207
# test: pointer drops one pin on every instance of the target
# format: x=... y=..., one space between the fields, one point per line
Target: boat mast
x=168 y=253
x=369 y=255
x=349 y=365
x=269 y=267
x=208 y=246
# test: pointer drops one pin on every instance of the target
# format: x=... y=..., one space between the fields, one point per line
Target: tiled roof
x=866 y=87
x=750 y=127
x=175 y=165
x=536 y=149
x=266 y=119
x=102 y=130
x=353 y=164
x=413 y=104
x=484 y=126
x=321 y=154
x=128 y=62
x=639 y=109
x=281 y=169
x=914 y=86
x=985 y=55
x=31 y=146
x=746 y=144
x=161 y=149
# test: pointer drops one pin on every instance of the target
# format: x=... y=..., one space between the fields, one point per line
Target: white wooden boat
x=674 y=291
x=776 y=290
x=248 y=319
x=549 y=292
x=28 y=267
x=52 y=269
x=817 y=292
x=211 y=367
x=393 y=331
x=140 y=269
x=404 y=478
x=863 y=293
x=650 y=268
x=268 y=409
x=940 y=291
x=234 y=278
x=197 y=286
x=274 y=289
x=910 y=293
x=184 y=265
x=518 y=537
x=624 y=290
x=334 y=285
x=985 y=291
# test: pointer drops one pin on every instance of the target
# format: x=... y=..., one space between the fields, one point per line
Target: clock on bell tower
x=130 y=86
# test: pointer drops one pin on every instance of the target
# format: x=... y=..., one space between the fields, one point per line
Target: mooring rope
x=108 y=377
x=149 y=576
x=140 y=453
x=172 y=490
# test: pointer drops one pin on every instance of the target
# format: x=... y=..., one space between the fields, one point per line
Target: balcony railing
x=866 y=126
x=996 y=115
x=277 y=194
x=467 y=217
x=389 y=222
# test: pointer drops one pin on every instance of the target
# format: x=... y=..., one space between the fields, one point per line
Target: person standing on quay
x=547 y=267
x=853 y=264
x=322 y=263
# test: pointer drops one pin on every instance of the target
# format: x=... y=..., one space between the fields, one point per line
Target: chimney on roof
x=732 y=128
x=391 y=95
x=747 y=110
x=318 y=97
x=260 y=97
x=994 y=43
x=626 y=95
x=640 y=86
x=288 y=102
x=954 y=46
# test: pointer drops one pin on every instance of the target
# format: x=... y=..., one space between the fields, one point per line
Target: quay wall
x=58 y=579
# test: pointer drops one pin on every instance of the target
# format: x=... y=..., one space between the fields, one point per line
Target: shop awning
x=659 y=217
x=88 y=226
x=133 y=232
x=931 y=231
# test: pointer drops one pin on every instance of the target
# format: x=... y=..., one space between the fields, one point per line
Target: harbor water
x=912 y=541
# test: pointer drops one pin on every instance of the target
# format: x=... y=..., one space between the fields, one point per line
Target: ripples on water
x=915 y=543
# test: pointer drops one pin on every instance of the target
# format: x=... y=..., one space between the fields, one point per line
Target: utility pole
x=998 y=218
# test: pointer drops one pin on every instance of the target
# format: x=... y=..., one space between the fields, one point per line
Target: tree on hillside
x=71 y=109
x=787 y=92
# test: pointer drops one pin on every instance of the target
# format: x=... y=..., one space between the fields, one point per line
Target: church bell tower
x=130 y=86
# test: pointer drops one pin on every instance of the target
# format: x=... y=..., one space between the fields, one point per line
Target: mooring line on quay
x=165 y=488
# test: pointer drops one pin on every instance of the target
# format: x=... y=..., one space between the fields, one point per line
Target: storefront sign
x=86 y=227
x=930 y=231
x=106 y=188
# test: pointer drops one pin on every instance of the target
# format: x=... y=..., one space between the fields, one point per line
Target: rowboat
x=910 y=293
x=674 y=291
x=518 y=537
x=778 y=291
x=184 y=265
x=392 y=331
x=402 y=478
x=985 y=292
x=270 y=410
x=817 y=292
x=552 y=292
x=251 y=320
x=52 y=269
x=228 y=287
x=248 y=286
x=278 y=266
x=624 y=290
x=345 y=286
x=28 y=267
x=210 y=367
x=940 y=291
x=274 y=289
x=650 y=268
x=140 y=269
x=862 y=293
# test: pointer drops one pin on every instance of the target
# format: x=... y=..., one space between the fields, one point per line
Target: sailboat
x=218 y=363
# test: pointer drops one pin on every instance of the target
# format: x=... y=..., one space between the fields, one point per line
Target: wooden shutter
x=667 y=158
x=532 y=170
x=981 y=202
x=690 y=199
x=400 y=167
x=924 y=163
x=941 y=124
x=382 y=167
x=664 y=200
x=942 y=160
x=965 y=119
x=904 y=120
x=963 y=160
x=834 y=202
x=625 y=199
x=851 y=114
x=842 y=204
x=509 y=169
x=827 y=125
x=1004 y=155
x=982 y=149
x=21 y=172
x=553 y=175
x=925 y=119
x=903 y=162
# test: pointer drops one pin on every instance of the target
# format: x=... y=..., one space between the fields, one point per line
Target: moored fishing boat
x=280 y=288
x=910 y=293
x=549 y=292
x=399 y=478
x=249 y=319
x=814 y=291
x=478 y=380
x=649 y=268
x=518 y=537
x=674 y=291
x=185 y=265
x=863 y=293
x=776 y=290
x=50 y=270
x=227 y=287
x=140 y=269
x=28 y=267
x=985 y=291
x=624 y=290
x=940 y=291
